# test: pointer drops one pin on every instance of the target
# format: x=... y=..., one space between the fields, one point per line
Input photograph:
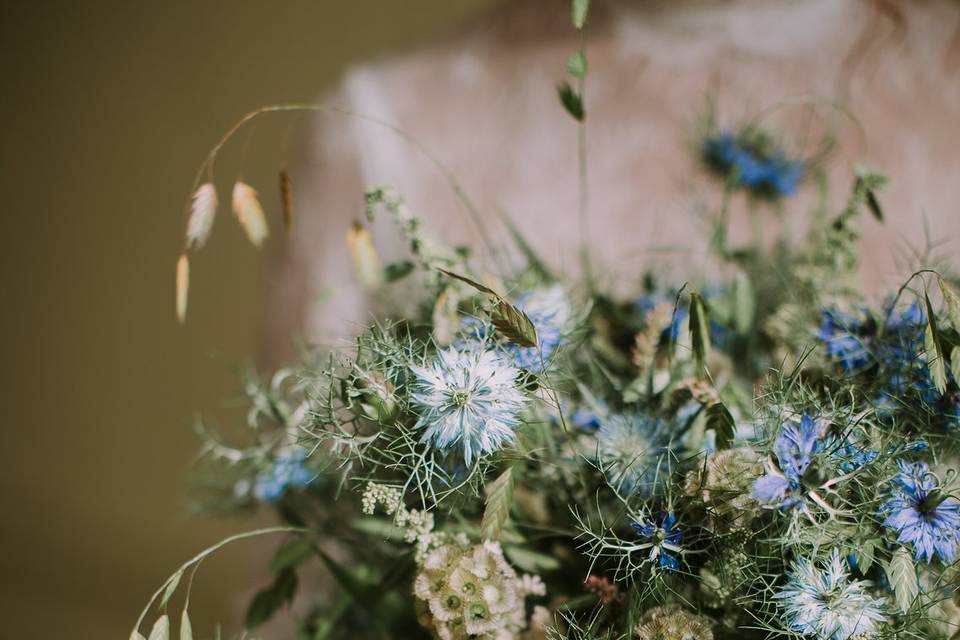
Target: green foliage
x=577 y=64
x=579 y=10
x=902 y=576
x=571 y=101
x=269 y=600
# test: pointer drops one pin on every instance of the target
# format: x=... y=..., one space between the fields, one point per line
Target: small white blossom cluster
x=417 y=525
x=472 y=592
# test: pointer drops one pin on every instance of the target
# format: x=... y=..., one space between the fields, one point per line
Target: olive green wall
x=107 y=109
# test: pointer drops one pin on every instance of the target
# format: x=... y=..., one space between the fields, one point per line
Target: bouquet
x=759 y=451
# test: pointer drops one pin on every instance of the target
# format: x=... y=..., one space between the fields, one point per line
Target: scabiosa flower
x=628 y=451
x=467 y=398
x=549 y=311
x=921 y=515
x=820 y=601
x=755 y=165
x=672 y=622
x=287 y=470
x=662 y=539
x=795 y=449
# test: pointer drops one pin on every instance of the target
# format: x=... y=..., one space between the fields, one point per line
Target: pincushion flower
x=820 y=601
x=921 y=515
x=468 y=399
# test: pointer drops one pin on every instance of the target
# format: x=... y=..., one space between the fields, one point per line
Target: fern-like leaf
x=499 y=500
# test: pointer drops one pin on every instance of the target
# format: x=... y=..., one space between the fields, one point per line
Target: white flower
x=468 y=398
x=822 y=602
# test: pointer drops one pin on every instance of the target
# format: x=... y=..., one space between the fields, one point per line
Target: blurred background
x=108 y=109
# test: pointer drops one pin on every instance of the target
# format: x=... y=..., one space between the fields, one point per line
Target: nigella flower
x=755 y=165
x=846 y=338
x=549 y=311
x=795 y=449
x=821 y=601
x=287 y=470
x=921 y=515
x=629 y=451
x=468 y=398
x=663 y=540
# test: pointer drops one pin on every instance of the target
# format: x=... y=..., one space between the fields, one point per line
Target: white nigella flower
x=820 y=601
x=468 y=398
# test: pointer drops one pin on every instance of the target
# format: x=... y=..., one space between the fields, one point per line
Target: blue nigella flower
x=795 y=449
x=585 y=419
x=821 y=601
x=663 y=540
x=845 y=338
x=770 y=173
x=921 y=515
x=287 y=470
x=468 y=399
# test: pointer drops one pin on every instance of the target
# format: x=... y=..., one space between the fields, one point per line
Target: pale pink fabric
x=484 y=103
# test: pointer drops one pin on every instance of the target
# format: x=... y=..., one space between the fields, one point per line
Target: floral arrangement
x=759 y=452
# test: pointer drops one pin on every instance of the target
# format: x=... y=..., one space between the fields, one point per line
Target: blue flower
x=821 y=601
x=549 y=311
x=629 y=451
x=795 y=449
x=921 y=515
x=287 y=470
x=585 y=419
x=662 y=539
x=467 y=398
x=770 y=173
x=845 y=338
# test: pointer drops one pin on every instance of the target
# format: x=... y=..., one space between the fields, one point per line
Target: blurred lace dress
x=483 y=102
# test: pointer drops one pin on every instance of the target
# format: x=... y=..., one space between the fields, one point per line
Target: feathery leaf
x=203 y=209
x=247 y=208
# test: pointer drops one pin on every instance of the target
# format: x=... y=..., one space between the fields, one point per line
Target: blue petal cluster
x=664 y=540
x=549 y=311
x=287 y=470
x=772 y=174
x=921 y=515
x=795 y=448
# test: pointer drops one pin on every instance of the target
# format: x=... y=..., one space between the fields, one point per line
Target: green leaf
x=571 y=100
x=744 y=303
x=699 y=328
x=161 y=629
x=577 y=64
x=578 y=12
x=171 y=587
x=721 y=421
x=290 y=555
x=865 y=555
x=269 y=600
x=874 y=205
x=136 y=635
x=499 y=501
x=397 y=270
x=936 y=360
x=530 y=561
x=902 y=576
x=186 y=629
x=952 y=299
